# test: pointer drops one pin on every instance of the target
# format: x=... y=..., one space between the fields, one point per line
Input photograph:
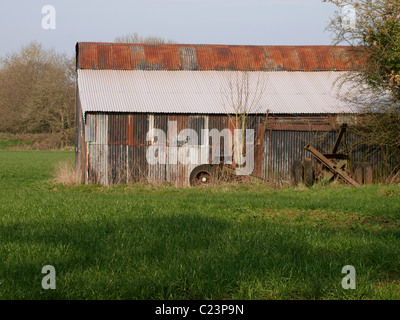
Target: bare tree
x=242 y=93
x=37 y=91
x=135 y=38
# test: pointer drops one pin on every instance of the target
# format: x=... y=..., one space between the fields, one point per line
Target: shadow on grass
x=185 y=256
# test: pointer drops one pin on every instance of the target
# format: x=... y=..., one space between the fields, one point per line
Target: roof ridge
x=126 y=56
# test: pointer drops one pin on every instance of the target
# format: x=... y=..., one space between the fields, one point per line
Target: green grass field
x=225 y=242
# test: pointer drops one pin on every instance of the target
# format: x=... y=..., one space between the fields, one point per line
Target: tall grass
x=64 y=173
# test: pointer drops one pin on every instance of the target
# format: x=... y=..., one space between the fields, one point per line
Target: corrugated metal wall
x=114 y=147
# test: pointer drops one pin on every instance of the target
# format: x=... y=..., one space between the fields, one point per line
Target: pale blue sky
x=250 y=22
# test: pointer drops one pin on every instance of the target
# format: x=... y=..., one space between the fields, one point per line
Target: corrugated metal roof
x=120 y=56
x=204 y=92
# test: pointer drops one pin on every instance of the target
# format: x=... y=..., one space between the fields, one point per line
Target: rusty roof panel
x=104 y=56
x=118 y=56
x=87 y=57
x=162 y=57
x=121 y=57
x=256 y=57
x=225 y=59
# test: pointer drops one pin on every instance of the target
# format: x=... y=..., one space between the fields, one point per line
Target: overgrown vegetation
x=375 y=39
x=33 y=141
x=142 y=241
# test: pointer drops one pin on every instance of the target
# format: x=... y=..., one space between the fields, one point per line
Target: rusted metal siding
x=118 y=125
x=79 y=140
x=114 y=146
x=158 y=171
x=137 y=166
x=283 y=147
x=97 y=149
x=177 y=173
x=217 y=122
x=117 y=56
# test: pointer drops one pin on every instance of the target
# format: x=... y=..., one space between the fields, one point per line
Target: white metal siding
x=202 y=92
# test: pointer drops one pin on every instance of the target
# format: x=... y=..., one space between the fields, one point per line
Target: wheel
x=202 y=175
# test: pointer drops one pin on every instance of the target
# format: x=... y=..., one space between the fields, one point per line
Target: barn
x=141 y=107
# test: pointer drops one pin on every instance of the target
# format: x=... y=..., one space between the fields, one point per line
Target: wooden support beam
x=331 y=166
x=339 y=137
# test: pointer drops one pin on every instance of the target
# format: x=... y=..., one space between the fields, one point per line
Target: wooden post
x=339 y=137
x=358 y=173
x=368 y=173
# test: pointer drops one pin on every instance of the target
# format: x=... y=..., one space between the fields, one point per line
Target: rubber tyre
x=204 y=174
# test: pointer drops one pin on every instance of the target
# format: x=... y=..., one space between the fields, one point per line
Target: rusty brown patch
x=121 y=56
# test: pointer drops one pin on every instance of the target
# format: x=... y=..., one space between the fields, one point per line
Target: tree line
x=37 y=89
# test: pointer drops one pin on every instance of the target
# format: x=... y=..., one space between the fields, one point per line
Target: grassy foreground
x=226 y=242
